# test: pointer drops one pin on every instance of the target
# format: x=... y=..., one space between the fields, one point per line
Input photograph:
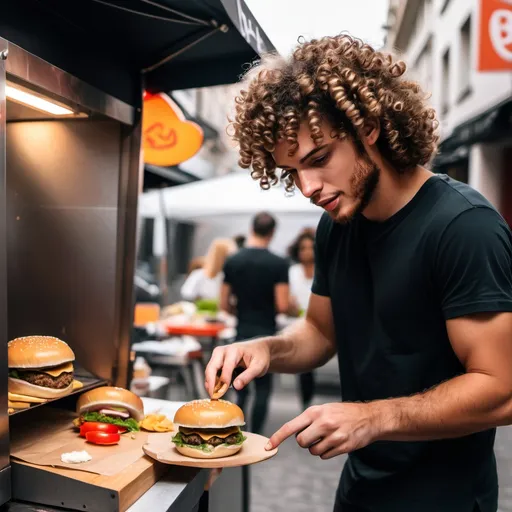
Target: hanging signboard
x=495 y=35
x=247 y=25
x=168 y=138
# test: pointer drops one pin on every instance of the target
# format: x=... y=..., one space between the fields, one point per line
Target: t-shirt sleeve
x=473 y=264
x=320 y=284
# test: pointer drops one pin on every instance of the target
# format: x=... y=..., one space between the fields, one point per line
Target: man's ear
x=371 y=131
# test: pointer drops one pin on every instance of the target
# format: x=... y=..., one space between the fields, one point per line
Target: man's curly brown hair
x=343 y=81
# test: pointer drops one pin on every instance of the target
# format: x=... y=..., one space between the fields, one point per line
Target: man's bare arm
x=308 y=343
x=475 y=401
x=225 y=296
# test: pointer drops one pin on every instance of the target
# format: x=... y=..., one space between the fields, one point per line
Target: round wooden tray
x=160 y=448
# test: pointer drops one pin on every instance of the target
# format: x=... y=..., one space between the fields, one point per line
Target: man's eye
x=321 y=160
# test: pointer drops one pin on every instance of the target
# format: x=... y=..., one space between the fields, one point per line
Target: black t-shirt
x=253 y=274
x=393 y=285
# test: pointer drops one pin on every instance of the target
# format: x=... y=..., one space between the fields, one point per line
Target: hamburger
x=113 y=405
x=40 y=367
x=209 y=429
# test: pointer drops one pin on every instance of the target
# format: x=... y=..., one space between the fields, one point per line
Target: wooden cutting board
x=160 y=448
x=74 y=487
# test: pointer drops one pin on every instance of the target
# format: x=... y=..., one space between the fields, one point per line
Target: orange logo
x=168 y=138
x=495 y=35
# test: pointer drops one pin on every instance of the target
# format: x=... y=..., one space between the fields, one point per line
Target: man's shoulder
x=458 y=196
x=452 y=200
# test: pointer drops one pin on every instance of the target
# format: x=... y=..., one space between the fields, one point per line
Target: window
x=465 y=61
x=445 y=89
x=424 y=67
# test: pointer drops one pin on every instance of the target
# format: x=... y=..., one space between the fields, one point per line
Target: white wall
x=443 y=29
x=485 y=169
x=488 y=89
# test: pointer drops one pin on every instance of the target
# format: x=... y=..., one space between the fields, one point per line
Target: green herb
x=129 y=424
x=14 y=374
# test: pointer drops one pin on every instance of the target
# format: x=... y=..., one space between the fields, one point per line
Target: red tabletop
x=208 y=330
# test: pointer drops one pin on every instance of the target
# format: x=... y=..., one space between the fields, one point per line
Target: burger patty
x=196 y=440
x=45 y=380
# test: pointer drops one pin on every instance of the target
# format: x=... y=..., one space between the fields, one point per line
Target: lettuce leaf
x=14 y=374
x=178 y=441
x=130 y=423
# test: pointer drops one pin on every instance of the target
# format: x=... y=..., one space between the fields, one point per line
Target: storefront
x=72 y=76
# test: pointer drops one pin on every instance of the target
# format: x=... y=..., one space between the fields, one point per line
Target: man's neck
x=257 y=242
x=394 y=191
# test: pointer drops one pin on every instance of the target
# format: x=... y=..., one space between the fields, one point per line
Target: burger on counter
x=40 y=367
x=209 y=429
x=108 y=404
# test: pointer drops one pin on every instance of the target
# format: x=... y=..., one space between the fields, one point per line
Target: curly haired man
x=412 y=286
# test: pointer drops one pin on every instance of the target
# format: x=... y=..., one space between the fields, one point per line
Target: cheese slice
x=63 y=368
x=18 y=405
x=15 y=397
x=206 y=435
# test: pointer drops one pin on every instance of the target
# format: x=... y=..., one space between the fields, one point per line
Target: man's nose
x=309 y=183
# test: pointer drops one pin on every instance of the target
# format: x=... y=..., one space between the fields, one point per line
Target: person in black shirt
x=412 y=286
x=258 y=280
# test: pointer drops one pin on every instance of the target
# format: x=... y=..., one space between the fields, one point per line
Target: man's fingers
x=253 y=370
x=231 y=360
x=215 y=364
x=288 y=429
x=334 y=452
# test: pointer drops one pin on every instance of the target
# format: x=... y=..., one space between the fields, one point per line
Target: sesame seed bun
x=108 y=396
x=209 y=414
x=223 y=450
x=38 y=352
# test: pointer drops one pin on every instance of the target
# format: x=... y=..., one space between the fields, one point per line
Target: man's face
x=334 y=175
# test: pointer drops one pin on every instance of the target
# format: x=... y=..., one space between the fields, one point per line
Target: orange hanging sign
x=495 y=35
x=168 y=138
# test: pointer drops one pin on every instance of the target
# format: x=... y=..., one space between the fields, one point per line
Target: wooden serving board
x=161 y=448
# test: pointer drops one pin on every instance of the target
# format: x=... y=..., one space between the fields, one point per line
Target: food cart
x=72 y=76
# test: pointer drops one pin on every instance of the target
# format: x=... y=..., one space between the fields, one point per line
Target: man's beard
x=364 y=181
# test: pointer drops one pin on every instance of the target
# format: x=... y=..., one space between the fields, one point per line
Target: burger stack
x=40 y=369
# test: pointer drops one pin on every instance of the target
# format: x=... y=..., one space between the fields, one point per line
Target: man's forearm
x=461 y=406
x=299 y=348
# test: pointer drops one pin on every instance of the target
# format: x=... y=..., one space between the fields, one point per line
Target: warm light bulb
x=35 y=101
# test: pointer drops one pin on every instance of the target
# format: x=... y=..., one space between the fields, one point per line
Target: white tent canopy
x=224 y=207
x=233 y=194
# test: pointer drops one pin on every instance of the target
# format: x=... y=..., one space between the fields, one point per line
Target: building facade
x=444 y=43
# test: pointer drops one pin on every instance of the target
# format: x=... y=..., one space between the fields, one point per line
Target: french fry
x=157 y=423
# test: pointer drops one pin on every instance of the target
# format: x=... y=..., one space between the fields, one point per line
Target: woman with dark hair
x=300 y=277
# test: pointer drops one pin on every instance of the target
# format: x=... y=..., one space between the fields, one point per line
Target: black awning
x=490 y=126
x=174 y=44
x=158 y=177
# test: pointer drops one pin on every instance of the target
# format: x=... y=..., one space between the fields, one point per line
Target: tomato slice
x=102 y=437
x=97 y=426
x=122 y=430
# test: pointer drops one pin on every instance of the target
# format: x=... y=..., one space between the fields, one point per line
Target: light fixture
x=37 y=102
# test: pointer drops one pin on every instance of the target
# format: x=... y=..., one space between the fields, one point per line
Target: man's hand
x=254 y=356
x=331 y=429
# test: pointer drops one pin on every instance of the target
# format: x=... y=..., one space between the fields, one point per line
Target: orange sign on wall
x=168 y=138
x=495 y=35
